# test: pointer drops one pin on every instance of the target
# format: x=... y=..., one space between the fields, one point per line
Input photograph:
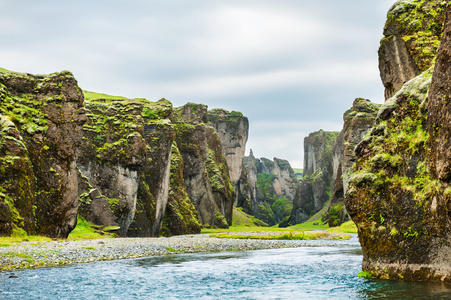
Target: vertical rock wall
x=233 y=130
x=47 y=112
x=319 y=175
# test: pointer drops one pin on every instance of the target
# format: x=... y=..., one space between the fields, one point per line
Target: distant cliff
x=139 y=167
x=319 y=174
x=272 y=186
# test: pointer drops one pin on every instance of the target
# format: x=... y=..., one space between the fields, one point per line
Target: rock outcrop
x=319 y=175
x=41 y=120
x=358 y=121
x=411 y=38
x=125 y=156
x=233 y=130
x=206 y=174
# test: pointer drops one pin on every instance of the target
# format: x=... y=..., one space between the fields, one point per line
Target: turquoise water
x=321 y=272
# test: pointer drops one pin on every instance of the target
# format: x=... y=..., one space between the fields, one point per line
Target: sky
x=291 y=66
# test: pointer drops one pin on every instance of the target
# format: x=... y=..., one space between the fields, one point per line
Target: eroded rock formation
x=41 y=134
x=233 y=130
x=411 y=38
x=270 y=189
x=319 y=175
x=128 y=165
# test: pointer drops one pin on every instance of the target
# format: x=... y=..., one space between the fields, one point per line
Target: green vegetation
x=6 y=241
x=92 y=96
x=365 y=274
x=86 y=231
x=298 y=173
x=420 y=24
x=274 y=209
x=347 y=227
x=291 y=235
x=240 y=218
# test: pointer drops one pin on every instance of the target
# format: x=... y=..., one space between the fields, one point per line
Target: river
x=314 y=272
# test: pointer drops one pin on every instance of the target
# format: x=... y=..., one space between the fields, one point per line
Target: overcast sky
x=291 y=66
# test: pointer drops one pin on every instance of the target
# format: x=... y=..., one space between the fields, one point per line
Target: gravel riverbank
x=57 y=253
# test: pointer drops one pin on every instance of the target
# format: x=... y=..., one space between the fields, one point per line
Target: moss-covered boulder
x=42 y=117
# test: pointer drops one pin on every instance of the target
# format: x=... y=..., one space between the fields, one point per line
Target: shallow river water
x=319 y=272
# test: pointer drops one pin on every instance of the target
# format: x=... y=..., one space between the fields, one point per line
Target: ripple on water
x=296 y=273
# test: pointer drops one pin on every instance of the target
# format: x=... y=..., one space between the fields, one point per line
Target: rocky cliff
x=399 y=193
x=131 y=165
x=272 y=186
x=205 y=173
x=233 y=130
x=319 y=175
x=411 y=38
x=358 y=121
x=41 y=119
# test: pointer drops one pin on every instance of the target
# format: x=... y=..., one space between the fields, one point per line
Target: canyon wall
x=319 y=175
x=130 y=165
x=398 y=194
x=41 y=119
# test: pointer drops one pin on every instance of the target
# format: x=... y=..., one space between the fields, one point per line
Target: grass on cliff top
x=93 y=96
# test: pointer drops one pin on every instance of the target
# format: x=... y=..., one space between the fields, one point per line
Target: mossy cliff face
x=358 y=121
x=126 y=155
x=181 y=216
x=16 y=175
x=233 y=130
x=205 y=172
x=41 y=133
x=110 y=159
x=319 y=174
x=399 y=196
x=400 y=210
x=411 y=38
